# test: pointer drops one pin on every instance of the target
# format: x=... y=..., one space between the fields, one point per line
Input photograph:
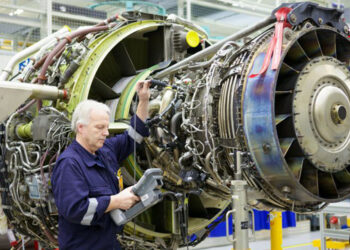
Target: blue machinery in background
x=261 y=221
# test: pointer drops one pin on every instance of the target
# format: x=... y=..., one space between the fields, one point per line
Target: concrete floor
x=297 y=242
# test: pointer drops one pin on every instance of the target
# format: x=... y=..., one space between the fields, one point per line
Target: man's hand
x=142 y=88
x=123 y=200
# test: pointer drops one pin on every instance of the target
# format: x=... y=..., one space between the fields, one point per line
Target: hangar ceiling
x=23 y=22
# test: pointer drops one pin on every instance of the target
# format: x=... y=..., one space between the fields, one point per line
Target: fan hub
x=323 y=128
x=338 y=113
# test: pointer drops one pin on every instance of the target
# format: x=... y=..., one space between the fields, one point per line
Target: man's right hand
x=123 y=200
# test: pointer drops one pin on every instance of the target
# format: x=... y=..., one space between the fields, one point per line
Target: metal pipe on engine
x=13 y=94
x=33 y=90
x=30 y=50
x=212 y=49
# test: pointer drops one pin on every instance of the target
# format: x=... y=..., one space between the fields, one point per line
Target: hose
x=60 y=46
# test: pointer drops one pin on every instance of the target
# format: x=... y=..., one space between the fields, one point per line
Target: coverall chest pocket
x=100 y=191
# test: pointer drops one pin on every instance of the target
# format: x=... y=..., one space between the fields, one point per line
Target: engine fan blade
x=101 y=90
x=295 y=164
x=310 y=44
x=326 y=39
x=309 y=177
x=287 y=78
x=280 y=118
x=327 y=185
x=342 y=181
x=285 y=144
x=296 y=57
x=343 y=49
x=127 y=67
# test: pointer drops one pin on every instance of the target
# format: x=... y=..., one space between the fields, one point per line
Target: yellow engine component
x=192 y=38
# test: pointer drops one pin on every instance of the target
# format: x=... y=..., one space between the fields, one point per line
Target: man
x=84 y=180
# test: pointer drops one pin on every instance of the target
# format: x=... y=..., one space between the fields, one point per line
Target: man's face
x=94 y=134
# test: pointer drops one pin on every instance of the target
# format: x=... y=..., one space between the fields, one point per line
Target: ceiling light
x=18 y=11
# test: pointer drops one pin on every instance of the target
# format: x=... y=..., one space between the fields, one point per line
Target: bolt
x=338 y=113
x=293 y=18
x=266 y=148
x=288 y=35
x=286 y=189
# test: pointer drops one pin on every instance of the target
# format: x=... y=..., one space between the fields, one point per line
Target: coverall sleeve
x=123 y=144
x=71 y=194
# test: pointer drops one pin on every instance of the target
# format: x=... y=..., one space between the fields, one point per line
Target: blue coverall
x=82 y=184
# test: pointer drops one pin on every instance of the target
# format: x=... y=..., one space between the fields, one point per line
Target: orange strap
x=120 y=178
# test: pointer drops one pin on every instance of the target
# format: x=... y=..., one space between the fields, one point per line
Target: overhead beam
x=22 y=21
x=76 y=17
x=15 y=7
x=34 y=22
x=215 y=5
x=216 y=28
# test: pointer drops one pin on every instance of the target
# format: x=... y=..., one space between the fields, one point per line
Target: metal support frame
x=340 y=234
x=240 y=211
x=188 y=10
x=43 y=19
x=180 y=8
x=49 y=16
x=240 y=214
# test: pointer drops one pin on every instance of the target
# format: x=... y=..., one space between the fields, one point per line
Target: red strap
x=12 y=238
x=65 y=94
x=276 y=42
x=36 y=245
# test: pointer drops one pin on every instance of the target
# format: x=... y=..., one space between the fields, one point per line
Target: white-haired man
x=84 y=180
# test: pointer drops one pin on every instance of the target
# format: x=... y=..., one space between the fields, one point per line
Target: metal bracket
x=319 y=15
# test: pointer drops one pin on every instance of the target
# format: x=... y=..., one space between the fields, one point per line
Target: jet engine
x=273 y=112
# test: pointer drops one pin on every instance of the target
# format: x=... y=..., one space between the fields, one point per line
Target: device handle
x=227 y=225
x=155 y=172
x=253 y=225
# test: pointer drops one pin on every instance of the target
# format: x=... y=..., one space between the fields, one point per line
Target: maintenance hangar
x=175 y=124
